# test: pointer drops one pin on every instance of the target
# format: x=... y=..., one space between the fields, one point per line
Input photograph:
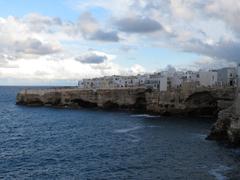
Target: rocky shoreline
x=227 y=127
x=200 y=102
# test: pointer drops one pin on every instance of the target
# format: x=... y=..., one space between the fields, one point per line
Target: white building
x=191 y=76
x=86 y=84
x=176 y=80
x=207 y=78
x=227 y=76
x=80 y=84
x=157 y=81
x=167 y=79
x=142 y=79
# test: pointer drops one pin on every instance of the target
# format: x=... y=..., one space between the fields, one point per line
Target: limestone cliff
x=227 y=127
x=200 y=102
x=121 y=98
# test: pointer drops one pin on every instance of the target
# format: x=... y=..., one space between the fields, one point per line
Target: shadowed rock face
x=202 y=103
x=82 y=103
x=110 y=105
x=220 y=128
x=227 y=126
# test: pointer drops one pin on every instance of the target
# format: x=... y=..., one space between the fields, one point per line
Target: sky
x=59 y=42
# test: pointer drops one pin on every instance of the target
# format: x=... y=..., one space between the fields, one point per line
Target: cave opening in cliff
x=140 y=103
x=83 y=103
x=202 y=103
x=110 y=105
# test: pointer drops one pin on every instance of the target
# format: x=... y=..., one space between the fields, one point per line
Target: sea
x=55 y=143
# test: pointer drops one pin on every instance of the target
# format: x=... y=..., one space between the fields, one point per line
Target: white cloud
x=38 y=46
x=137 y=69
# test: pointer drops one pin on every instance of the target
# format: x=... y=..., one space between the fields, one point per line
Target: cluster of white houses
x=162 y=81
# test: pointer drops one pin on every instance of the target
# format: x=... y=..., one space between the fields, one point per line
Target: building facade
x=208 y=78
x=162 y=81
x=227 y=76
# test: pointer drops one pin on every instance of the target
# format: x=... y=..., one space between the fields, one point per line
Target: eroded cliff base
x=227 y=128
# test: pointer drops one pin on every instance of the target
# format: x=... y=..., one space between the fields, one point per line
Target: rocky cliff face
x=197 y=103
x=227 y=127
x=170 y=102
x=121 y=98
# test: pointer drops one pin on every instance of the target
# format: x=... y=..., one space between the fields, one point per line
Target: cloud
x=127 y=48
x=207 y=28
x=138 y=25
x=4 y=61
x=87 y=24
x=35 y=46
x=137 y=69
x=209 y=63
x=92 y=58
x=34 y=42
x=43 y=71
x=227 y=11
x=223 y=50
x=40 y=23
x=20 y=40
x=91 y=29
x=100 y=35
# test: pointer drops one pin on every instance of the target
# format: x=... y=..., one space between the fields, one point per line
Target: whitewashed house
x=176 y=80
x=86 y=84
x=157 y=82
x=191 y=76
x=80 y=84
x=207 y=78
x=227 y=76
x=142 y=79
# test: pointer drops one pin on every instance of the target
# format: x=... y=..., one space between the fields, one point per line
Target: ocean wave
x=134 y=138
x=128 y=129
x=145 y=116
x=218 y=172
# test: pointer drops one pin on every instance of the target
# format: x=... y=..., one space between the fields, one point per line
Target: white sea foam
x=152 y=126
x=134 y=138
x=218 y=172
x=128 y=129
x=145 y=116
x=133 y=129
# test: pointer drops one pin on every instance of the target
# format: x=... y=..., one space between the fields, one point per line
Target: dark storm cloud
x=91 y=59
x=138 y=25
x=228 y=50
x=35 y=46
x=100 y=35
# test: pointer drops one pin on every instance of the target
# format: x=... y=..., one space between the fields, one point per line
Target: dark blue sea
x=51 y=143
